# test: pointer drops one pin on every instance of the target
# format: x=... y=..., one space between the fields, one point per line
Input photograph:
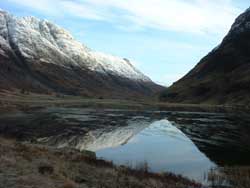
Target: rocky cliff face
x=221 y=77
x=39 y=56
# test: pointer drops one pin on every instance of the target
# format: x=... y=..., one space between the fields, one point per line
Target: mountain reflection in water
x=164 y=148
x=187 y=143
x=97 y=139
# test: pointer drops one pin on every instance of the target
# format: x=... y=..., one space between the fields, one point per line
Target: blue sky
x=164 y=38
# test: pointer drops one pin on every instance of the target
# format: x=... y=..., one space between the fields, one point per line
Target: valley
x=73 y=117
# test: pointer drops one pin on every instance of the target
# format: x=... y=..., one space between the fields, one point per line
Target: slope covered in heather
x=221 y=77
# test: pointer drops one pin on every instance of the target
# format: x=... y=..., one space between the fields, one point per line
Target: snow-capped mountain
x=221 y=77
x=47 y=51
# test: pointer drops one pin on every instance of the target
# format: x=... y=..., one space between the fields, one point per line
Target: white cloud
x=83 y=10
x=194 y=16
x=41 y=6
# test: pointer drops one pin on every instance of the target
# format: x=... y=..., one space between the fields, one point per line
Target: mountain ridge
x=222 y=76
x=44 y=56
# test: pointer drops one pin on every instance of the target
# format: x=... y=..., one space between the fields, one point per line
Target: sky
x=163 y=38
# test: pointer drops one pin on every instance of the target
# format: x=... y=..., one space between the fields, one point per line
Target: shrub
x=46 y=169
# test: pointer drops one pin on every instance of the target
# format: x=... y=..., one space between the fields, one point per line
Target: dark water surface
x=187 y=143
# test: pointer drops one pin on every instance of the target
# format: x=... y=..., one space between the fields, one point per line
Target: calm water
x=185 y=143
x=165 y=148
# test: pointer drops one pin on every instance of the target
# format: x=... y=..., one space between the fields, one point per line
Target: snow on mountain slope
x=41 y=41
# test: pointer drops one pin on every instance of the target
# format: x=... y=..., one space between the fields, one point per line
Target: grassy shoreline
x=28 y=165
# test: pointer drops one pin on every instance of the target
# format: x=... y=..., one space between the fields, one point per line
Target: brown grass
x=37 y=166
x=14 y=100
x=236 y=177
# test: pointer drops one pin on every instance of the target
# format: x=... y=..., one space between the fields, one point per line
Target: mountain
x=38 y=56
x=221 y=77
